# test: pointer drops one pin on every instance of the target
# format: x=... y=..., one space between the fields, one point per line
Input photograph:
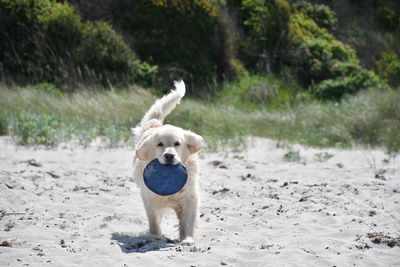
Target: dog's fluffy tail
x=162 y=107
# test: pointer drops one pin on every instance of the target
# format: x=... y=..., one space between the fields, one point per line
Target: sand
x=72 y=206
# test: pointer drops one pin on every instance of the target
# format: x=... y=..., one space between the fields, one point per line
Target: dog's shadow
x=142 y=243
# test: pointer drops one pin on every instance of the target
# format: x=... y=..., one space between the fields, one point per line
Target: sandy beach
x=268 y=204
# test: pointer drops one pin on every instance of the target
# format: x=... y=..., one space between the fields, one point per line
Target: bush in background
x=204 y=42
x=48 y=42
x=327 y=67
x=388 y=19
x=389 y=67
x=299 y=44
x=302 y=28
x=318 y=59
x=112 y=59
x=348 y=78
x=322 y=15
x=266 y=25
x=187 y=39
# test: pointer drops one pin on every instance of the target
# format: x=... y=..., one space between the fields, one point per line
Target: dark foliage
x=204 y=42
x=187 y=39
x=45 y=41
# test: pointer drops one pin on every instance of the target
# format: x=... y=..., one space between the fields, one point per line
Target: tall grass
x=267 y=92
x=81 y=116
x=371 y=118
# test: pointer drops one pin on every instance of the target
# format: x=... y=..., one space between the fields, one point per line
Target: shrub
x=328 y=67
x=331 y=69
x=388 y=67
x=239 y=70
x=347 y=78
x=322 y=15
x=49 y=42
x=27 y=11
x=292 y=156
x=112 y=59
x=187 y=39
x=62 y=25
x=43 y=129
x=20 y=56
x=312 y=50
x=143 y=72
x=302 y=28
x=267 y=26
x=317 y=59
x=387 y=18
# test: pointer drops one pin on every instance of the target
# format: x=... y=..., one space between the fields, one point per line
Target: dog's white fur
x=155 y=140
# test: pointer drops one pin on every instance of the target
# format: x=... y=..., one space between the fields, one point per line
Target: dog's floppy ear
x=194 y=142
x=143 y=150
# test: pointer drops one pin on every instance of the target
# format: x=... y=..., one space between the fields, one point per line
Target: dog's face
x=170 y=145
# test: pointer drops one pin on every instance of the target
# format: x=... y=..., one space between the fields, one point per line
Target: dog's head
x=170 y=145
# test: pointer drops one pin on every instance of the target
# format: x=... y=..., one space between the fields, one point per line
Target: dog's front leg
x=154 y=216
x=187 y=220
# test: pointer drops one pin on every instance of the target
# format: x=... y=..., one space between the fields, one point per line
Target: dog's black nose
x=169 y=157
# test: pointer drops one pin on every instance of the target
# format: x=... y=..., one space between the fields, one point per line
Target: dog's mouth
x=168 y=163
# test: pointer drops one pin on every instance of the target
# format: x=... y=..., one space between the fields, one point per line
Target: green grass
x=255 y=92
x=292 y=156
x=371 y=118
x=40 y=117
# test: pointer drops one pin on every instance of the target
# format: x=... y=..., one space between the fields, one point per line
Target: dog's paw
x=188 y=241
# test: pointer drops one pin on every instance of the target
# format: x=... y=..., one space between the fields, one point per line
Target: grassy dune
x=371 y=118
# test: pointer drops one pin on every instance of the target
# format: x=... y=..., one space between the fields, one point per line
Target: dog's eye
x=177 y=144
x=160 y=144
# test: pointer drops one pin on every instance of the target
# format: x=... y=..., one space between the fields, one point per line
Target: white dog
x=170 y=145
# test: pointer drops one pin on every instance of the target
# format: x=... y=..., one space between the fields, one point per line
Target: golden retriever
x=170 y=145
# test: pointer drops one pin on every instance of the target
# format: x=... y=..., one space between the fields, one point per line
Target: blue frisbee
x=164 y=180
